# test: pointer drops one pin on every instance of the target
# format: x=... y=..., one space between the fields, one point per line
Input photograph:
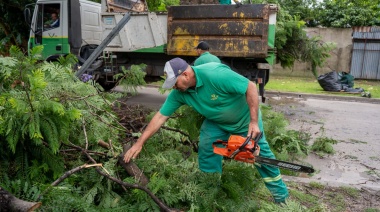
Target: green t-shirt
x=224 y=1
x=219 y=95
x=206 y=57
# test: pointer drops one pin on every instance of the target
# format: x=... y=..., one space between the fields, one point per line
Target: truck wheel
x=106 y=85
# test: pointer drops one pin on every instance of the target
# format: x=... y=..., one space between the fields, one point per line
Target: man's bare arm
x=253 y=104
x=155 y=124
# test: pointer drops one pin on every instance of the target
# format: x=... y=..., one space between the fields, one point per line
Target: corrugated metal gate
x=365 y=63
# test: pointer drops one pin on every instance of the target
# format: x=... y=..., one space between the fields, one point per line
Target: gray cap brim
x=171 y=79
x=169 y=83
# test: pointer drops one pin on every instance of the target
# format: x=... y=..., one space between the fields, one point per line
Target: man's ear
x=186 y=73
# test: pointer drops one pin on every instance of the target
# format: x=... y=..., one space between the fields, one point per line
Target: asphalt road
x=353 y=122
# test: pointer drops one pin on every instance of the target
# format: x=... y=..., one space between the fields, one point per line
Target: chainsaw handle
x=258 y=137
x=245 y=142
x=241 y=148
x=219 y=142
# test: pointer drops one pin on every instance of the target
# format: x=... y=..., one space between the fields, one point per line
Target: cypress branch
x=162 y=205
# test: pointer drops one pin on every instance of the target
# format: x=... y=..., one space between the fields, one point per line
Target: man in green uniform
x=204 y=55
x=237 y=2
x=230 y=104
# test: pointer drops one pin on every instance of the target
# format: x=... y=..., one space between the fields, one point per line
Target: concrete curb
x=322 y=96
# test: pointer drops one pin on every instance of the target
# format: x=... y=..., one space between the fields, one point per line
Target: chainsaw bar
x=284 y=164
x=243 y=149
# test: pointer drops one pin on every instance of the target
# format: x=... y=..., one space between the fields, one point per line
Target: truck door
x=49 y=30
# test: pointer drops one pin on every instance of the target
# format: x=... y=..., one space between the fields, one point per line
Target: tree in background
x=13 y=29
x=305 y=10
x=348 y=13
x=291 y=42
x=160 y=5
x=332 y=13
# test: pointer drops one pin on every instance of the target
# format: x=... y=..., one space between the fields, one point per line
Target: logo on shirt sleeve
x=214 y=97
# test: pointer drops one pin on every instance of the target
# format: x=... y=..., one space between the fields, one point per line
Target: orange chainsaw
x=244 y=149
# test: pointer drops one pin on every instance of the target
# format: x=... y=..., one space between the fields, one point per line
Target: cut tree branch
x=160 y=204
x=131 y=168
x=68 y=174
x=72 y=171
x=8 y=202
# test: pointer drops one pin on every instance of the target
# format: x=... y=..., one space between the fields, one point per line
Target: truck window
x=48 y=16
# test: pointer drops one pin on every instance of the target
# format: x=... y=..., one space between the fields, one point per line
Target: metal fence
x=365 y=63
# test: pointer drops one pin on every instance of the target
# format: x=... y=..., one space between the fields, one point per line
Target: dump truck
x=242 y=36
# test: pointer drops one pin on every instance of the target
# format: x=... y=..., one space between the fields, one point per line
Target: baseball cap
x=173 y=68
x=203 y=45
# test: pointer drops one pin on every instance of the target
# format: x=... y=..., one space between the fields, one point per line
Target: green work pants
x=211 y=162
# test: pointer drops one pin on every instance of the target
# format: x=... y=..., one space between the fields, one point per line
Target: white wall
x=340 y=57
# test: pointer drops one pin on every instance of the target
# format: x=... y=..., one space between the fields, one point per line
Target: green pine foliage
x=274 y=123
x=176 y=179
x=131 y=78
x=323 y=145
x=45 y=109
x=189 y=120
x=292 y=143
x=65 y=198
x=287 y=145
x=22 y=189
x=290 y=206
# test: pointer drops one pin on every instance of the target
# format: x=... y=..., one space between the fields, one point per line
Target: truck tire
x=107 y=86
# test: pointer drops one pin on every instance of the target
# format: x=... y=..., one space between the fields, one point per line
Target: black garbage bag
x=353 y=90
x=330 y=81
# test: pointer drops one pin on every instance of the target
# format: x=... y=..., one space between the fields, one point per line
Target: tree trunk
x=8 y=202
